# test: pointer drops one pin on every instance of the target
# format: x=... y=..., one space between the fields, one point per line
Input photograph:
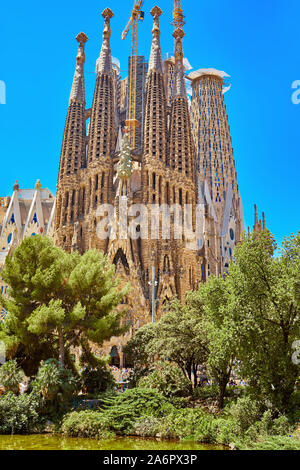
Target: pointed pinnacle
x=156 y=11
x=82 y=38
x=107 y=14
x=178 y=33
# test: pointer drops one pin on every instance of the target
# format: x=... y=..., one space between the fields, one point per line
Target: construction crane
x=178 y=16
x=136 y=16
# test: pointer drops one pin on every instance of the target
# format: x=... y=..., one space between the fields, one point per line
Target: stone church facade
x=186 y=158
x=180 y=172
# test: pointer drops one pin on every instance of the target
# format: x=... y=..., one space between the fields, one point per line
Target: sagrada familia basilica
x=181 y=156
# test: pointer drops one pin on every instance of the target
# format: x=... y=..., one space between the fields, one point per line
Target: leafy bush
x=119 y=412
x=18 y=414
x=54 y=386
x=245 y=412
x=123 y=410
x=186 y=423
x=10 y=376
x=273 y=427
x=147 y=426
x=294 y=409
x=85 y=424
x=275 y=443
x=226 y=431
x=168 y=379
x=206 y=391
x=97 y=380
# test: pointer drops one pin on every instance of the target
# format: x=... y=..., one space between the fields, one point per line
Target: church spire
x=102 y=125
x=74 y=141
x=156 y=123
x=78 y=90
x=104 y=63
x=155 y=62
x=181 y=143
x=180 y=88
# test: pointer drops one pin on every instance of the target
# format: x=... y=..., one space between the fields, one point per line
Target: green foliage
x=177 y=338
x=190 y=424
x=245 y=412
x=147 y=426
x=57 y=301
x=18 y=414
x=85 y=424
x=274 y=443
x=221 y=330
x=122 y=410
x=55 y=386
x=168 y=379
x=136 y=350
x=11 y=375
x=265 y=304
x=97 y=380
x=118 y=413
x=206 y=391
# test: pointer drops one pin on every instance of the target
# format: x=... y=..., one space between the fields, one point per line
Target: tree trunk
x=61 y=357
x=222 y=390
x=195 y=375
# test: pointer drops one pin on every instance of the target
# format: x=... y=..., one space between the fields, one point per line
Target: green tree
x=11 y=375
x=54 y=387
x=168 y=379
x=58 y=301
x=179 y=338
x=137 y=352
x=219 y=328
x=265 y=301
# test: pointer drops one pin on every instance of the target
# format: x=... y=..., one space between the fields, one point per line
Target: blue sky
x=255 y=42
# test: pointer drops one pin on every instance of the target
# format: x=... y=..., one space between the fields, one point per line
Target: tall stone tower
x=73 y=157
x=102 y=139
x=217 y=179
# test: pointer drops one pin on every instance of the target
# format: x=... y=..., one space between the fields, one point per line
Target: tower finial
x=156 y=12
x=82 y=39
x=178 y=35
x=78 y=90
x=107 y=15
x=155 y=62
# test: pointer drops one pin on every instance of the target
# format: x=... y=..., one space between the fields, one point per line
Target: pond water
x=57 y=442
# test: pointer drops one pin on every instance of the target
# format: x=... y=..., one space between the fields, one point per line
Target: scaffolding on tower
x=178 y=16
x=136 y=16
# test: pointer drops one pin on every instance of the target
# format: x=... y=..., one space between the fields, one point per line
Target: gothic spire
x=78 y=90
x=155 y=62
x=181 y=143
x=155 y=130
x=180 y=88
x=102 y=125
x=104 y=63
x=74 y=140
